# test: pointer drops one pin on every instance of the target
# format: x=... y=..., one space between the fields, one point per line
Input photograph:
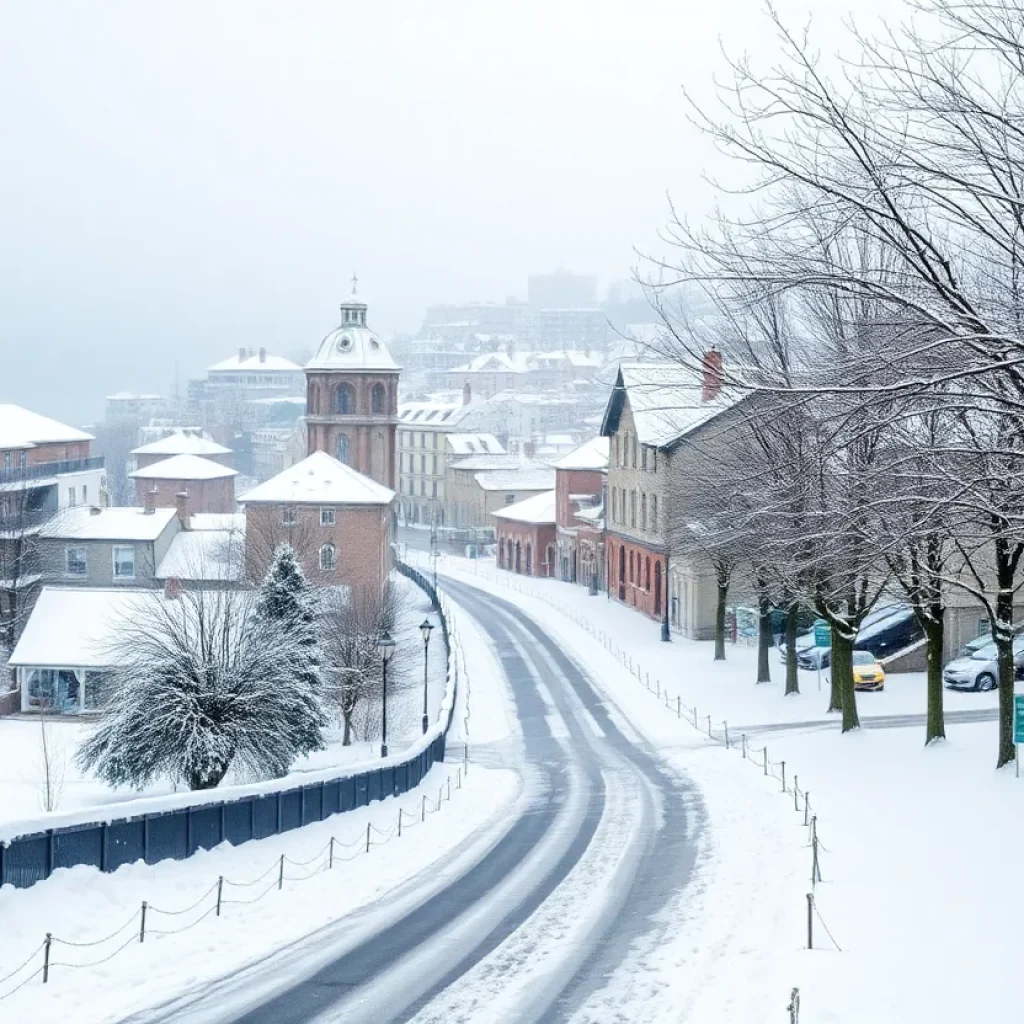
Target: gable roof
x=207 y=555
x=182 y=442
x=88 y=522
x=319 y=479
x=539 y=509
x=183 y=467
x=475 y=444
x=251 y=362
x=524 y=478
x=666 y=402
x=591 y=455
x=22 y=428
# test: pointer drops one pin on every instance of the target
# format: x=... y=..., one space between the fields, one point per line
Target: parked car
x=980 y=671
x=894 y=628
x=868 y=673
x=805 y=641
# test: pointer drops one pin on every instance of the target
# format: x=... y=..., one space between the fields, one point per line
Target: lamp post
x=426 y=628
x=385 y=648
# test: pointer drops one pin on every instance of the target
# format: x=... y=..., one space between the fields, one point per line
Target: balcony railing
x=45 y=470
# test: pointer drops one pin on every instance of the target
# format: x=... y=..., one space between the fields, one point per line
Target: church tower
x=352 y=396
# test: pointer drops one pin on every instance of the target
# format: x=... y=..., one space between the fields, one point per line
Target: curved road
x=534 y=922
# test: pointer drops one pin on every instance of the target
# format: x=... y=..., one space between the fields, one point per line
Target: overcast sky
x=181 y=178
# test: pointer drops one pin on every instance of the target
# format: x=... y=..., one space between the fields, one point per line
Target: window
x=423 y=440
x=22 y=460
x=327 y=517
x=615 y=505
x=643 y=458
x=423 y=488
x=124 y=562
x=433 y=464
x=510 y=499
x=345 y=399
x=634 y=451
x=71 y=497
x=435 y=488
x=85 y=494
x=632 y=508
x=378 y=400
x=654 y=511
x=7 y=460
x=618 y=450
x=341 y=448
x=643 y=512
x=288 y=516
x=423 y=463
x=654 y=460
x=75 y=561
x=327 y=558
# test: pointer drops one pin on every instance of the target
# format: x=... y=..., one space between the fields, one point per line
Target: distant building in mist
x=562 y=289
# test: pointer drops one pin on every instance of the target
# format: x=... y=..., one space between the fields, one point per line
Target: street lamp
x=385 y=648
x=426 y=628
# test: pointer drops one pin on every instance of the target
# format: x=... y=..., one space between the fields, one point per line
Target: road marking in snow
x=592 y=722
x=545 y=693
x=556 y=723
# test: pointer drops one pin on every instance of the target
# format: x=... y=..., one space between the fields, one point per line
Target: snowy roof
x=429 y=412
x=72 y=626
x=21 y=428
x=666 y=401
x=593 y=514
x=207 y=555
x=496 y=362
x=217 y=521
x=538 y=509
x=250 y=362
x=573 y=357
x=183 y=467
x=87 y=522
x=528 y=478
x=182 y=443
x=475 y=444
x=352 y=346
x=504 y=460
x=319 y=479
x=592 y=455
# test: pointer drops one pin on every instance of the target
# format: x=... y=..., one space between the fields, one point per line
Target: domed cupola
x=352 y=346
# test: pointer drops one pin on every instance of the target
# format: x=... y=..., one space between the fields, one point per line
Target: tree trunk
x=210 y=778
x=764 y=640
x=723 y=594
x=1003 y=635
x=346 y=739
x=934 y=631
x=842 y=679
x=792 y=678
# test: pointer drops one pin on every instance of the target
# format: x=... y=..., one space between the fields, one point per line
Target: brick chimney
x=263 y=355
x=713 y=374
x=149 y=501
x=467 y=393
x=181 y=506
x=172 y=588
x=241 y=354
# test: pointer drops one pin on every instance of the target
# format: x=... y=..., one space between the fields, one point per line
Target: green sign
x=822 y=634
x=1018 y=718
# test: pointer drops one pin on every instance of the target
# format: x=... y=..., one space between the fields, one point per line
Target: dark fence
x=179 y=833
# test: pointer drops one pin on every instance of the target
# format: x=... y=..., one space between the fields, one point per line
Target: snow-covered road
x=535 y=913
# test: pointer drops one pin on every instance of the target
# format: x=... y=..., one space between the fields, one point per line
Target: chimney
x=149 y=501
x=172 y=588
x=467 y=393
x=713 y=374
x=181 y=506
x=241 y=354
x=263 y=355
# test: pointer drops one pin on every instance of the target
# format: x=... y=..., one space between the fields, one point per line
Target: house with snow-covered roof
x=525 y=535
x=210 y=485
x=338 y=521
x=579 y=487
x=181 y=442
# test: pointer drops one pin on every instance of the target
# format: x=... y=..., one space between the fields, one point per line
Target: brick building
x=209 y=485
x=352 y=397
x=338 y=521
x=525 y=536
x=579 y=486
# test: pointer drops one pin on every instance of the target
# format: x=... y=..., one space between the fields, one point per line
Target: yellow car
x=868 y=673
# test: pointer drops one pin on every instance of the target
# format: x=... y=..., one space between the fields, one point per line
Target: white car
x=980 y=671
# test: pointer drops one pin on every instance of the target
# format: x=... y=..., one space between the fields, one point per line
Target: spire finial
x=355 y=283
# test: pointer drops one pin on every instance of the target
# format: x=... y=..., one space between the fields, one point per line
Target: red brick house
x=338 y=521
x=210 y=486
x=579 y=485
x=525 y=535
x=181 y=442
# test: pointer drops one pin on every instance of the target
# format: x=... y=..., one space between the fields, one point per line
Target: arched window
x=643 y=511
x=657 y=588
x=647 y=574
x=345 y=399
x=342 y=448
x=327 y=558
x=378 y=399
x=632 y=575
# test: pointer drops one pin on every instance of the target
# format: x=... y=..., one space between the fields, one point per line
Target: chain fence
x=57 y=954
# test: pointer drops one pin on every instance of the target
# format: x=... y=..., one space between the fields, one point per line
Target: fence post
x=458 y=778
x=743 y=743
x=399 y=822
x=796 y=792
x=367 y=837
x=449 y=781
x=725 y=725
x=783 y=765
x=423 y=808
x=695 y=718
x=709 y=728
x=765 y=752
x=794 y=1006
x=142 y=924
x=46 y=958
x=810 y=920
x=657 y=683
x=280 y=873
x=647 y=676
x=220 y=892
x=330 y=854
x=679 y=707
x=807 y=805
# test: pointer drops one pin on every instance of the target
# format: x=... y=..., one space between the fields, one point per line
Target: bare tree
x=51 y=764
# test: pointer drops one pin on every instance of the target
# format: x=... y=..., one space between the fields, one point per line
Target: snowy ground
x=21 y=760
x=919 y=845
x=362 y=894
